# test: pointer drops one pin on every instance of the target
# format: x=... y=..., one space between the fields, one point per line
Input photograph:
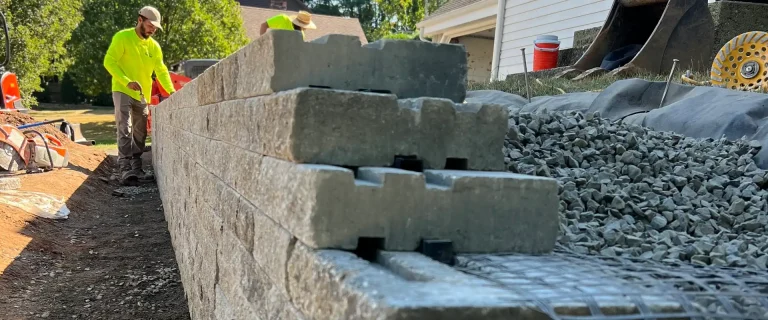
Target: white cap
x=152 y=15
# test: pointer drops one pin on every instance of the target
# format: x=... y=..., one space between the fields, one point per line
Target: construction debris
x=628 y=191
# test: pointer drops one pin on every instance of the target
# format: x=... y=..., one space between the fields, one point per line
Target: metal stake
x=669 y=80
x=525 y=69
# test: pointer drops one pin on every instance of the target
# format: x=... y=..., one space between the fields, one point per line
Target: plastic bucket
x=545 y=52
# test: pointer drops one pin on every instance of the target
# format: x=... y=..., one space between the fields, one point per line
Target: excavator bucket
x=646 y=35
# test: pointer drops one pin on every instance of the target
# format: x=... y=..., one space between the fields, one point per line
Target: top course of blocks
x=281 y=60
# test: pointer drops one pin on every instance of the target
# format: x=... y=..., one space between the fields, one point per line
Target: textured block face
x=280 y=60
x=360 y=129
x=329 y=207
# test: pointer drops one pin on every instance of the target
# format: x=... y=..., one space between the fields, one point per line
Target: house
x=255 y=12
x=494 y=31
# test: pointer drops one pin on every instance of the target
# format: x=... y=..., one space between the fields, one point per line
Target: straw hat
x=304 y=20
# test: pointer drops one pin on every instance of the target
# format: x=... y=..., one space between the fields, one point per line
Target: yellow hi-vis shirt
x=131 y=58
x=283 y=22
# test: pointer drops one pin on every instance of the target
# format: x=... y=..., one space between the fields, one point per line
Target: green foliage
x=38 y=30
x=379 y=18
x=192 y=29
x=402 y=36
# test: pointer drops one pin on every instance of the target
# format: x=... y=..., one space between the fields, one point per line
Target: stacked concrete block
x=280 y=60
x=269 y=185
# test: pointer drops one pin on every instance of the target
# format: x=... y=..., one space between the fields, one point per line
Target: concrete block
x=734 y=18
x=244 y=281
x=583 y=38
x=363 y=129
x=330 y=284
x=223 y=310
x=280 y=60
x=331 y=207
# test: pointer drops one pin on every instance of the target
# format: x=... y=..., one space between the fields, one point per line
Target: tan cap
x=304 y=20
x=152 y=15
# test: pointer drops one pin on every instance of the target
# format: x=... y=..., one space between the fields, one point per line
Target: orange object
x=16 y=139
x=159 y=94
x=545 y=52
x=11 y=93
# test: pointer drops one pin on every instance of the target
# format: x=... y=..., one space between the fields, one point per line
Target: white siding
x=479 y=56
x=526 y=19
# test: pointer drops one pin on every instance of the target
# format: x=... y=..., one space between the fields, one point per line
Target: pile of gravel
x=629 y=191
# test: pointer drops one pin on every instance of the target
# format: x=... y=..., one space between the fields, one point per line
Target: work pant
x=131 y=120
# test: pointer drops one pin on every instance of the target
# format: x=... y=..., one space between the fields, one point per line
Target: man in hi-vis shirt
x=131 y=59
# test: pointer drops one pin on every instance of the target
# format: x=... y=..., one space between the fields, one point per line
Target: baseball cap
x=152 y=15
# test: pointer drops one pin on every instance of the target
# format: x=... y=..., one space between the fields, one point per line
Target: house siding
x=526 y=19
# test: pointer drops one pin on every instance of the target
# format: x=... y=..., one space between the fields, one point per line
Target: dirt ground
x=111 y=259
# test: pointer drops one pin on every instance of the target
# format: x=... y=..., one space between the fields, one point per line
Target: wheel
x=742 y=63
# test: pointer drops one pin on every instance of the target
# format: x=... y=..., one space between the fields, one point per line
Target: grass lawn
x=96 y=124
x=551 y=86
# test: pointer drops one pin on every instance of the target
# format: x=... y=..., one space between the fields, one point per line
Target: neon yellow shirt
x=282 y=21
x=130 y=58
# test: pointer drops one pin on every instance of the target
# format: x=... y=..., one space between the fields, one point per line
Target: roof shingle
x=253 y=18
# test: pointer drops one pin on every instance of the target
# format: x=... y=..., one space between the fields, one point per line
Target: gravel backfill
x=629 y=191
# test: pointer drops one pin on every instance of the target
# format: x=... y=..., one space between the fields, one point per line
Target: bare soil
x=111 y=259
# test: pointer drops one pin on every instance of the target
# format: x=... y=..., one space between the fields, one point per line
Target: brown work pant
x=131 y=120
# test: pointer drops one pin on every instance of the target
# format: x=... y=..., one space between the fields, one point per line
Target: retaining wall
x=272 y=192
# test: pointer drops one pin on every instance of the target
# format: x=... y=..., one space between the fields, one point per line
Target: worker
x=131 y=59
x=299 y=22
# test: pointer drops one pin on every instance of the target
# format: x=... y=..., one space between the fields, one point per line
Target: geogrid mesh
x=566 y=285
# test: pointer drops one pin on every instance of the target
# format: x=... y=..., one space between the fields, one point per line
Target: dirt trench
x=111 y=259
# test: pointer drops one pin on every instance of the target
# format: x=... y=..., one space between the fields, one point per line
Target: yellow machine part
x=742 y=63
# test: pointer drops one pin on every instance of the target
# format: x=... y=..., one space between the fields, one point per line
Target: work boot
x=125 y=174
x=137 y=168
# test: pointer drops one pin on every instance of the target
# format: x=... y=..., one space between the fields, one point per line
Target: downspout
x=500 y=12
x=426 y=14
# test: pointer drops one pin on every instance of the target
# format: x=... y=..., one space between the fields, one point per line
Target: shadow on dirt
x=112 y=259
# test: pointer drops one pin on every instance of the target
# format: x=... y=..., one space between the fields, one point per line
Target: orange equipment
x=181 y=73
x=9 y=83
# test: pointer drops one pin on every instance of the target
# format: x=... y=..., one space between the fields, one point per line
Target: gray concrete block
x=732 y=19
x=584 y=38
x=331 y=207
x=223 y=310
x=244 y=281
x=279 y=61
x=330 y=284
x=363 y=129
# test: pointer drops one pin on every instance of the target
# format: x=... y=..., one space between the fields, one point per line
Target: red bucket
x=545 y=52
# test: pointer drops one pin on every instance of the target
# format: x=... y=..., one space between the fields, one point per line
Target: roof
x=450 y=6
x=292 y=4
x=253 y=18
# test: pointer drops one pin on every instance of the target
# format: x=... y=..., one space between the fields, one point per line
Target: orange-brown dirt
x=111 y=259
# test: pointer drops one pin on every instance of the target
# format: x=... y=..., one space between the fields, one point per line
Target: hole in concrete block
x=375 y=91
x=456 y=164
x=354 y=169
x=368 y=248
x=438 y=249
x=410 y=163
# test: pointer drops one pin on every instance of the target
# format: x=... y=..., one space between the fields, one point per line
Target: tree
x=192 y=29
x=378 y=18
x=38 y=30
